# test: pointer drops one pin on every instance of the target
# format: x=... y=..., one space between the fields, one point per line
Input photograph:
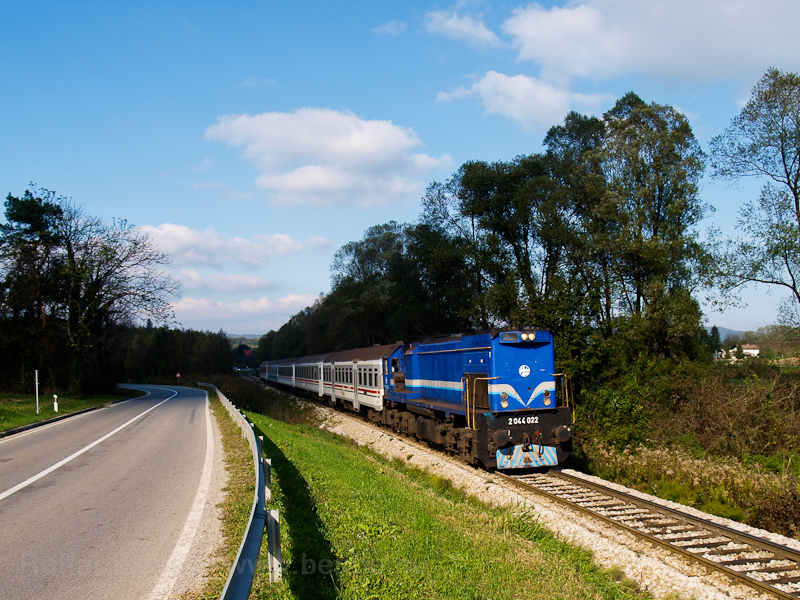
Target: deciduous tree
x=72 y=279
x=763 y=141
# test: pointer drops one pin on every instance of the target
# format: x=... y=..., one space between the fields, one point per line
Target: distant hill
x=724 y=331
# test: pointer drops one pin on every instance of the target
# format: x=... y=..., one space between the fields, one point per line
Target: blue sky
x=253 y=139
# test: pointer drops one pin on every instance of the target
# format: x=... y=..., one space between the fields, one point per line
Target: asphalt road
x=95 y=506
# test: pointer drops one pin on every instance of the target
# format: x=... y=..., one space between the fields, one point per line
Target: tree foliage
x=595 y=238
x=69 y=283
x=396 y=283
x=152 y=353
x=764 y=141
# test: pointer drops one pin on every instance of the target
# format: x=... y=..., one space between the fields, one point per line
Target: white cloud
x=193 y=247
x=533 y=103
x=323 y=157
x=246 y=316
x=683 y=39
x=391 y=28
x=576 y=44
x=458 y=27
x=222 y=282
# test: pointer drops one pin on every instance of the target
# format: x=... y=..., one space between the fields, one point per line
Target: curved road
x=103 y=505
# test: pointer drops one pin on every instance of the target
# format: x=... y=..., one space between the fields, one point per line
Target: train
x=489 y=397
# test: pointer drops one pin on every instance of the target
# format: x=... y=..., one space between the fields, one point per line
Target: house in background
x=749 y=350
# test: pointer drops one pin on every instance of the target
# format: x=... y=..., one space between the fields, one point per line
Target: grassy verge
x=356 y=526
x=18 y=410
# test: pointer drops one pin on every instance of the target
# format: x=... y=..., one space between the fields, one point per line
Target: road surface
x=103 y=505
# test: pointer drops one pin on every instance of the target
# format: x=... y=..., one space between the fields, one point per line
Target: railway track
x=756 y=562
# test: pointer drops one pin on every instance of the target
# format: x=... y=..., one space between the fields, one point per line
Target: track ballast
x=756 y=562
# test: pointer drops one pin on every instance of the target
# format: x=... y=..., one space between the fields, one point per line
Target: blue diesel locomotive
x=489 y=397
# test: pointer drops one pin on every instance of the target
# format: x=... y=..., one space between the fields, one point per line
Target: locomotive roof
x=454 y=337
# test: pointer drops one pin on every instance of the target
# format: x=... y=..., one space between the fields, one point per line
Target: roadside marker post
x=36 y=377
x=55 y=402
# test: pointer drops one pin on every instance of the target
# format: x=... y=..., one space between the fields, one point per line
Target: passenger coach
x=489 y=397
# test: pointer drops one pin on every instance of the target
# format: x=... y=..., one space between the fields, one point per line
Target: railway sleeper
x=780 y=569
x=744 y=561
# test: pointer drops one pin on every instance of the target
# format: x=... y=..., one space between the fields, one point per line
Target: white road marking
x=72 y=419
x=75 y=455
x=172 y=570
x=33 y=430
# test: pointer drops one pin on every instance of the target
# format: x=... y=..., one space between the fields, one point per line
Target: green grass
x=354 y=526
x=17 y=410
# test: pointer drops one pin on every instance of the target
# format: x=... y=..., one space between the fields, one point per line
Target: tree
x=652 y=164
x=573 y=153
x=444 y=212
x=715 y=341
x=764 y=141
x=112 y=274
x=73 y=280
x=30 y=285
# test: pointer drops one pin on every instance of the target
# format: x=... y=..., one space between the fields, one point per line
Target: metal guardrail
x=240 y=580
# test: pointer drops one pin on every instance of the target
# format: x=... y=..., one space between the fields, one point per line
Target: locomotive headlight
x=547 y=400
x=524 y=337
x=504 y=399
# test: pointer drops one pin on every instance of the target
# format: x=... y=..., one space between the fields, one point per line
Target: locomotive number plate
x=530 y=420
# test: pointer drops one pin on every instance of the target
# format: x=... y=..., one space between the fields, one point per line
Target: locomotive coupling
x=562 y=433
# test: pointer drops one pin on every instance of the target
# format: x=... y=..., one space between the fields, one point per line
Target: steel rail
x=779 y=552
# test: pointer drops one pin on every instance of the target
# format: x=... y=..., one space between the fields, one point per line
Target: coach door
x=354 y=375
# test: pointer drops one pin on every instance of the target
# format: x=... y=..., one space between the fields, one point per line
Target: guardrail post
x=267 y=464
x=274 y=546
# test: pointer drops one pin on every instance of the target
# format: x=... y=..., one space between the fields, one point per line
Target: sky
x=251 y=140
